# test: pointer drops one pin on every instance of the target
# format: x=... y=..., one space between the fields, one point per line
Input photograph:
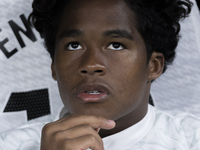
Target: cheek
x=65 y=67
x=130 y=77
x=65 y=78
x=130 y=91
x=63 y=89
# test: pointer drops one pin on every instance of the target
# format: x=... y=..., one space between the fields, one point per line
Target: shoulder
x=190 y=127
x=183 y=121
x=182 y=129
x=181 y=132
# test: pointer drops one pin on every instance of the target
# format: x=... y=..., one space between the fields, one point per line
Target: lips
x=92 y=93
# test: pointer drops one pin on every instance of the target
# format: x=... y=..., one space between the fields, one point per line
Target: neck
x=126 y=121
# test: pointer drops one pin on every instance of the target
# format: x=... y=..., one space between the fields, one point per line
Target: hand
x=75 y=132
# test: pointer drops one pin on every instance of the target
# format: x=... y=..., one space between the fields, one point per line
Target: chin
x=93 y=111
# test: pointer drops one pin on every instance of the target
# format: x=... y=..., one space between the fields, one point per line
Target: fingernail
x=110 y=122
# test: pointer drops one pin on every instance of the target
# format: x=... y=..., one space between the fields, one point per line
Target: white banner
x=24 y=67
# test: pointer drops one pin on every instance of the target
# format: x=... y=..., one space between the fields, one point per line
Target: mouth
x=92 y=93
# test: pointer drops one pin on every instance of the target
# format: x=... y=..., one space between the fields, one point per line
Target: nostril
x=84 y=71
x=92 y=71
x=98 y=71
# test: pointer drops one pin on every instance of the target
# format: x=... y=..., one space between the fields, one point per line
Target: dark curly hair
x=157 y=22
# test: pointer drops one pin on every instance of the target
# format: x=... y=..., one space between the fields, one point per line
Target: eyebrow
x=118 y=33
x=70 y=33
x=115 y=33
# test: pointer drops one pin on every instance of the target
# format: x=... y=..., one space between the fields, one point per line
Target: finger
x=76 y=120
x=94 y=121
x=83 y=143
x=76 y=132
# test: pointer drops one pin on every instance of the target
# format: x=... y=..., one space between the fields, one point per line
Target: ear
x=156 y=65
x=53 y=71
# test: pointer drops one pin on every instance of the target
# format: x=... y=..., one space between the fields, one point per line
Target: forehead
x=97 y=14
x=92 y=6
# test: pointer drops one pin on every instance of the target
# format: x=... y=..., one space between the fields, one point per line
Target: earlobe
x=53 y=72
x=156 y=65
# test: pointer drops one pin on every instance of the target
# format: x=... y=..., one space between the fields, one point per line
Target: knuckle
x=88 y=128
x=94 y=141
x=57 y=136
x=46 y=129
x=91 y=138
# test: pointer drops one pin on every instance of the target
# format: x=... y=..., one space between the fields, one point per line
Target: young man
x=105 y=54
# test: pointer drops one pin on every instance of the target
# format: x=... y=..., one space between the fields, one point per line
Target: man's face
x=100 y=60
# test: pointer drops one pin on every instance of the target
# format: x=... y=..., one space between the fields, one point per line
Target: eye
x=74 y=46
x=116 y=46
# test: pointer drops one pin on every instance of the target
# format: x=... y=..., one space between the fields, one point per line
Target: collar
x=132 y=135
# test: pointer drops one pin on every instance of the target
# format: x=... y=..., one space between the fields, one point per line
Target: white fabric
x=156 y=131
x=28 y=69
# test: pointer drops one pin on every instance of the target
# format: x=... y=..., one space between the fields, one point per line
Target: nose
x=92 y=64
